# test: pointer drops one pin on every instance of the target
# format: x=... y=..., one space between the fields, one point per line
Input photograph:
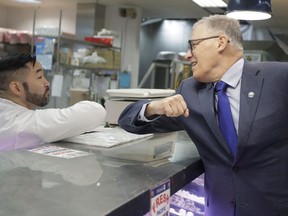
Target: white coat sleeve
x=57 y=124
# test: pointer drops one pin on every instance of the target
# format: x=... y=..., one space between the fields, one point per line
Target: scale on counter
x=137 y=93
x=118 y=143
x=119 y=99
x=155 y=148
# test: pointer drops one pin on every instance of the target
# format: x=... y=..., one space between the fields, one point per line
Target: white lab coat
x=21 y=127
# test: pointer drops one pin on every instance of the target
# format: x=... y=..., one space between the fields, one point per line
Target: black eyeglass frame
x=192 y=44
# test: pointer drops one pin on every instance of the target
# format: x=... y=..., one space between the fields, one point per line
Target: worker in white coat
x=23 y=88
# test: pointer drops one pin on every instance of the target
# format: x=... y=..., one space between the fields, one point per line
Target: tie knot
x=221 y=86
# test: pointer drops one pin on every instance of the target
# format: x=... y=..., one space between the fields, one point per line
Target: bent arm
x=57 y=124
x=172 y=106
x=129 y=120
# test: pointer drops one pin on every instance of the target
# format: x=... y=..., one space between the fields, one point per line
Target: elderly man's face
x=203 y=53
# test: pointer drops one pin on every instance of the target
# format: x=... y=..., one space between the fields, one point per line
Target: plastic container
x=105 y=40
x=124 y=79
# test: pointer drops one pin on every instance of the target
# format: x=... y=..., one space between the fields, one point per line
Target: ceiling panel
x=178 y=9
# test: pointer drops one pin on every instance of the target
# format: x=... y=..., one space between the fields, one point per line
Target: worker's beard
x=36 y=99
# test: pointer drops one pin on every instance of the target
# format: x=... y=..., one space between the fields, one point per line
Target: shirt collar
x=233 y=75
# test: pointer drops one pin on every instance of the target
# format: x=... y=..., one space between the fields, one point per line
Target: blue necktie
x=225 y=117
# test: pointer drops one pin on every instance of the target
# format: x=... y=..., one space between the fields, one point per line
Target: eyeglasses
x=193 y=43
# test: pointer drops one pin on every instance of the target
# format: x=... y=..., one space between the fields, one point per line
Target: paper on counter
x=107 y=137
x=57 y=151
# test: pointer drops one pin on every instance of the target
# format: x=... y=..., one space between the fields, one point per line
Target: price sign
x=160 y=199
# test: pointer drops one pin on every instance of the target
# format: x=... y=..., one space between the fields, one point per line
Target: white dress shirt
x=22 y=127
x=233 y=78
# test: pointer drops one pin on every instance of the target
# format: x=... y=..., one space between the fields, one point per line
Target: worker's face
x=36 y=86
x=202 y=53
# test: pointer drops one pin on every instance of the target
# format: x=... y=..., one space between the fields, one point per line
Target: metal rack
x=60 y=68
x=170 y=73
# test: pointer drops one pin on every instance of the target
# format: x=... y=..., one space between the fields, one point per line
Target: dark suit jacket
x=256 y=181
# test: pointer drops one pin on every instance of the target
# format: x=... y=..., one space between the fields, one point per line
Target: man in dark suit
x=251 y=177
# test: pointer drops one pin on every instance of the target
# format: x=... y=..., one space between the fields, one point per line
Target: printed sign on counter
x=56 y=151
x=160 y=196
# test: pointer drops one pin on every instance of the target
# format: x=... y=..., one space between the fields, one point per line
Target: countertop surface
x=95 y=183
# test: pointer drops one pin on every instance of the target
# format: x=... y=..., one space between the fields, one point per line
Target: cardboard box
x=77 y=95
x=117 y=60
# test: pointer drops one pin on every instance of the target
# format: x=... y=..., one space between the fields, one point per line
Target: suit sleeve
x=128 y=120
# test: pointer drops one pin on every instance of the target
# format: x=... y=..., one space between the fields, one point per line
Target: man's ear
x=223 y=40
x=16 y=87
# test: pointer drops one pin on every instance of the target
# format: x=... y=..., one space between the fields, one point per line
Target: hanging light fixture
x=249 y=9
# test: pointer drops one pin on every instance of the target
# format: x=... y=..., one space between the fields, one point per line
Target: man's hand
x=171 y=106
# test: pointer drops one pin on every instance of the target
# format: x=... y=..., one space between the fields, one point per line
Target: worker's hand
x=171 y=106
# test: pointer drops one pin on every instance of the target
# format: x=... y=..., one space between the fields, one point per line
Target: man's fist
x=171 y=106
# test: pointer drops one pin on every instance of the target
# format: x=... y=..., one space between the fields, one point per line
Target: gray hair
x=221 y=24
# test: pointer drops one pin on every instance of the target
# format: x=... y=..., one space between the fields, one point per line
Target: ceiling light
x=29 y=1
x=210 y=3
x=249 y=10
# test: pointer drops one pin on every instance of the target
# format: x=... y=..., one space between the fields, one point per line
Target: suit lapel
x=251 y=86
x=249 y=98
x=206 y=98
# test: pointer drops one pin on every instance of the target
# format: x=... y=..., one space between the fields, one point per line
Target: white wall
x=3 y=17
x=129 y=40
x=23 y=19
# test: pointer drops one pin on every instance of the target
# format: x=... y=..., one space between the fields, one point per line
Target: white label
x=57 y=84
x=56 y=151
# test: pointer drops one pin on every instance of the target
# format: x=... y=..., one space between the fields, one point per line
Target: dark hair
x=15 y=62
x=9 y=65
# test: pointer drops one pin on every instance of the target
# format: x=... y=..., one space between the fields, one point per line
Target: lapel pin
x=251 y=94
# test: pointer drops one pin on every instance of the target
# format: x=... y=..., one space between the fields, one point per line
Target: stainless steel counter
x=33 y=184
